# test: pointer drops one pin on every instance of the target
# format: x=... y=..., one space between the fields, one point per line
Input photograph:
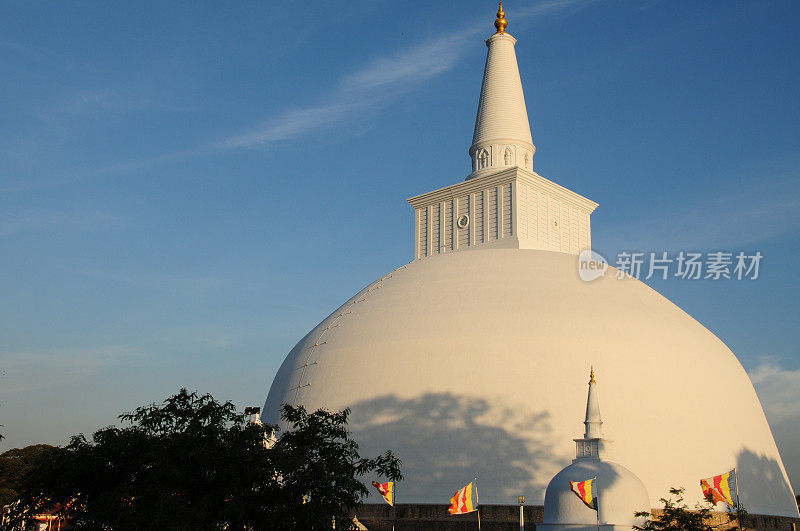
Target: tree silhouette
x=677 y=516
x=192 y=462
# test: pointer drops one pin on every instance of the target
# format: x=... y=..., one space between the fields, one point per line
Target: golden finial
x=501 y=21
x=591 y=376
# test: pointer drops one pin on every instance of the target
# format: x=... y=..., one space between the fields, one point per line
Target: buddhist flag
x=720 y=488
x=461 y=502
x=386 y=490
x=585 y=491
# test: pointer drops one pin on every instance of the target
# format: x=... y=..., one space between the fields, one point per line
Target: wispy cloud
x=294 y=123
x=38 y=220
x=779 y=391
x=404 y=69
x=377 y=82
x=111 y=97
x=182 y=282
x=370 y=87
x=69 y=177
x=102 y=100
x=732 y=219
x=29 y=370
x=26 y=50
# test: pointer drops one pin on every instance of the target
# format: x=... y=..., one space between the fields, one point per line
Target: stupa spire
x=593 y=422
x=502 y=136
x=503 y=203
x=592 y=445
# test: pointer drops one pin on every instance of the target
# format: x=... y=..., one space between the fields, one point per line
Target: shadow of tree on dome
x=762 y=487
x=445 y=440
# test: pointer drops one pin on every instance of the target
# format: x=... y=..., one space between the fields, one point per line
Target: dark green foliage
x=318 y=460
x=195 y=463
x=14 y=464
x=678 y=517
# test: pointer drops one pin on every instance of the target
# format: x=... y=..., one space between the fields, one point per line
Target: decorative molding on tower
x=593 y=445
x=511 y=208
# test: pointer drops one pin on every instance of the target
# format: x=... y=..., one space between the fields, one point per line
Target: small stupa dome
x=621 y=494
x=616 y=494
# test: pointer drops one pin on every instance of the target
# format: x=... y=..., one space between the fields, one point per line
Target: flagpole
x=478 y=504
x=738 y=504
x=597 y=509
x=394 y=504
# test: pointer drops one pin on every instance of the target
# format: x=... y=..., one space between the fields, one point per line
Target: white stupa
x=618 y=493
x=462 y=361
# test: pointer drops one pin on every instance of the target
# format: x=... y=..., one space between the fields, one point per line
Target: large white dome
x=473 y=364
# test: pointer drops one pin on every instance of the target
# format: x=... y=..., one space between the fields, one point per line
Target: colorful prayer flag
x=386 y=490
x=720 y=488
x=584 y=491
x=461 y=502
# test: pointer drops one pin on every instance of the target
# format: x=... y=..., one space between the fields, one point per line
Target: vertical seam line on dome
x=334 y=324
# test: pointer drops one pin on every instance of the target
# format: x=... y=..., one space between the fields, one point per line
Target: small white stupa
x=618 y=493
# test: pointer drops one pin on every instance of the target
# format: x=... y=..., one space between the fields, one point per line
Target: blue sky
x=186 y=188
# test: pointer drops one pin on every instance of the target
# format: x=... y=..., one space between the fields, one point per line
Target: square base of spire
x=511 y=208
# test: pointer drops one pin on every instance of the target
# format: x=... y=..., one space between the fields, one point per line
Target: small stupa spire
x=501 y=21
x=593 y=422
x=592 y=445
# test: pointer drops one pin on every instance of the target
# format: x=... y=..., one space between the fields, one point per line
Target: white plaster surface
x=502 y=130
x=474 y=364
